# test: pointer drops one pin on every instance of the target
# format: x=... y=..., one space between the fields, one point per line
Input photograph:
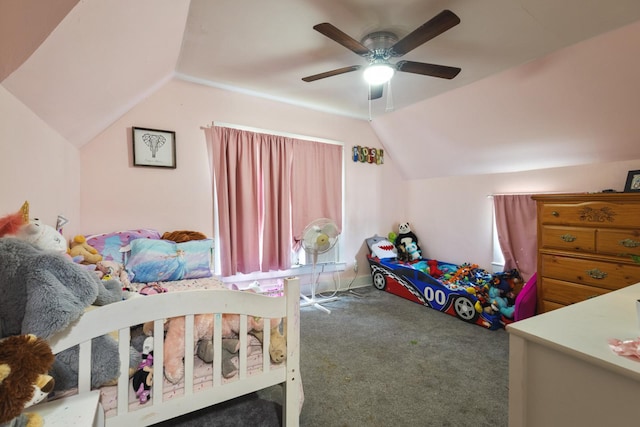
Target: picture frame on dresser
x=633 y=182
x=154 y=148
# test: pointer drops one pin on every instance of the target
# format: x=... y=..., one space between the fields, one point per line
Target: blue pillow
x=155 y=260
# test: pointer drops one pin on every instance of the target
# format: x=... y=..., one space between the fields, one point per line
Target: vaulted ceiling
x=79 y=65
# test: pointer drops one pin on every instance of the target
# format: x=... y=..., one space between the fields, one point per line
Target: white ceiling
x=104 y=57
x=268 y=47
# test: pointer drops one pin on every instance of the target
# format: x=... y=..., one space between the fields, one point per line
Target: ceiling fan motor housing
x=379 y=45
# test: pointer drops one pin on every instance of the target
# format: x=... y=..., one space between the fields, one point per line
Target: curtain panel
x=268 y=188
x=517 y=232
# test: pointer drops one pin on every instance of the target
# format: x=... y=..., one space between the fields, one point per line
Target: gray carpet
x=380 y=360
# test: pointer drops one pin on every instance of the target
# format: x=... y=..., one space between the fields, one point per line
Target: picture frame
x=633 y=182
x=154 y=148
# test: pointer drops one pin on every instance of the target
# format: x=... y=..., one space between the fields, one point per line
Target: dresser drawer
x=544 y=306
x=568 y=238
x=618 y=242
x=565 y=293
x=593 y=214
x=602 y=274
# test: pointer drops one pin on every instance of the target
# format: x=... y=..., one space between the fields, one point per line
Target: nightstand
x=78 y=410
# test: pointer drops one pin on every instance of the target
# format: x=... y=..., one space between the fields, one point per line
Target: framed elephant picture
x=154 y=148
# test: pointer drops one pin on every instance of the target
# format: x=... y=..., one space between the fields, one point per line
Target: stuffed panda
x=406 y=237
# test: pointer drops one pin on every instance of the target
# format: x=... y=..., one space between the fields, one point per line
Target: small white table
x=79 y=410
x=562 y=371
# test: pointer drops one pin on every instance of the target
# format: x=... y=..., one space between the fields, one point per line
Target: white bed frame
x=123 y=315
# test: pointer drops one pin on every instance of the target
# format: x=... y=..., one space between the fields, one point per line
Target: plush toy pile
x=203 y=338
x=406 y=243
x=499 y=295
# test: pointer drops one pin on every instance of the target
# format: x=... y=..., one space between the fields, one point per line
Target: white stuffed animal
x=33 y=231
x=42 y=236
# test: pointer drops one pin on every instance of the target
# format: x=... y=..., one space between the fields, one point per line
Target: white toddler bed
x=122 y=316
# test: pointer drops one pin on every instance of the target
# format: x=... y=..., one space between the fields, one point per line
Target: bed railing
x=123 y=315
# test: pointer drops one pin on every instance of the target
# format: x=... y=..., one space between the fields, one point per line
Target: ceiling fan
x=380 y=46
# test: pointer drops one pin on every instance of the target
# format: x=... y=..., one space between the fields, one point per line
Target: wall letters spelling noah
x=368 y=155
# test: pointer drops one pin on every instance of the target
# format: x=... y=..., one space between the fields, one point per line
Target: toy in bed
x=32 y=230
x=80 y=248
x=142 y=379
x=44 y=293
x=407 y=243
x=203 y=384
x=204 y=330
x=458 y=290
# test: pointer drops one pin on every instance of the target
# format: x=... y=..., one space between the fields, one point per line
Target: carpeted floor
x=380 y=360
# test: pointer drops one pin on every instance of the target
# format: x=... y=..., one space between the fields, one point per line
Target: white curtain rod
x=271 y=132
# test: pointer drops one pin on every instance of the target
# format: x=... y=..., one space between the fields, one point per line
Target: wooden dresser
x=586 y=244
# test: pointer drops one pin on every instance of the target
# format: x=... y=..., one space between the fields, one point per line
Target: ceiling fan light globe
x=377 y=74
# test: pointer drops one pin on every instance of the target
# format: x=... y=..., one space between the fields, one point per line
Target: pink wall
x=451 y=216
x=38 y=165
x=115 y=195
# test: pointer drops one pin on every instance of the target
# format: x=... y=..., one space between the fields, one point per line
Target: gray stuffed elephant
x=42 y=293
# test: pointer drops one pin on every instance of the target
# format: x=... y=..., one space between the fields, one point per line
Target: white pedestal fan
x=318 y=237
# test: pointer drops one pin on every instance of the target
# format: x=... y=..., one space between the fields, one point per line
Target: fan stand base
x=315 y=302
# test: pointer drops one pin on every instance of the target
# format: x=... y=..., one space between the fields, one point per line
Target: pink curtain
x=235 y=166
x=276 y=173
x=256 y=178
x=316 y=188
x=517 y=232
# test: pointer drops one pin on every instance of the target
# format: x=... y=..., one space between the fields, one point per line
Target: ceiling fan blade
x=430 y=29
x=375 y=92
x=432 y=70
x=331 y=73
x=339 y=37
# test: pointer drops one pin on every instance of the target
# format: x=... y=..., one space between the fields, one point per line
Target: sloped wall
x=38 y=165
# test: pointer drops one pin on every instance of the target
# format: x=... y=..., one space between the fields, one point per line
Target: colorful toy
x=392 y=236
x=502 y=292
x=433 y=268
x=413 y=251
x=80 y=247
x=24 y=363
x=142 y=379
x=113 y=270
x=500 y=304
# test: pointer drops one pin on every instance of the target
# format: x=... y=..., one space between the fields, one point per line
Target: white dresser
x=562 y=371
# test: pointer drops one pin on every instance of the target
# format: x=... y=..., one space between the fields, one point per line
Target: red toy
x=434 y=271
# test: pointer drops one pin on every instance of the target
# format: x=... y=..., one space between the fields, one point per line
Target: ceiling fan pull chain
x=369 y=103
x=389 y=98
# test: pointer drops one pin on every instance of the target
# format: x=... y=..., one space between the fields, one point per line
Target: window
x=268 y=187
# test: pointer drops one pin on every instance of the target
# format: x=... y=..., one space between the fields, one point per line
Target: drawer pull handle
x=555 y=213
x=596 y=274
x=629 y=243
x=568 y=238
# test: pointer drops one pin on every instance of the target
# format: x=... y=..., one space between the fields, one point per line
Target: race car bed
x=464 y=291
